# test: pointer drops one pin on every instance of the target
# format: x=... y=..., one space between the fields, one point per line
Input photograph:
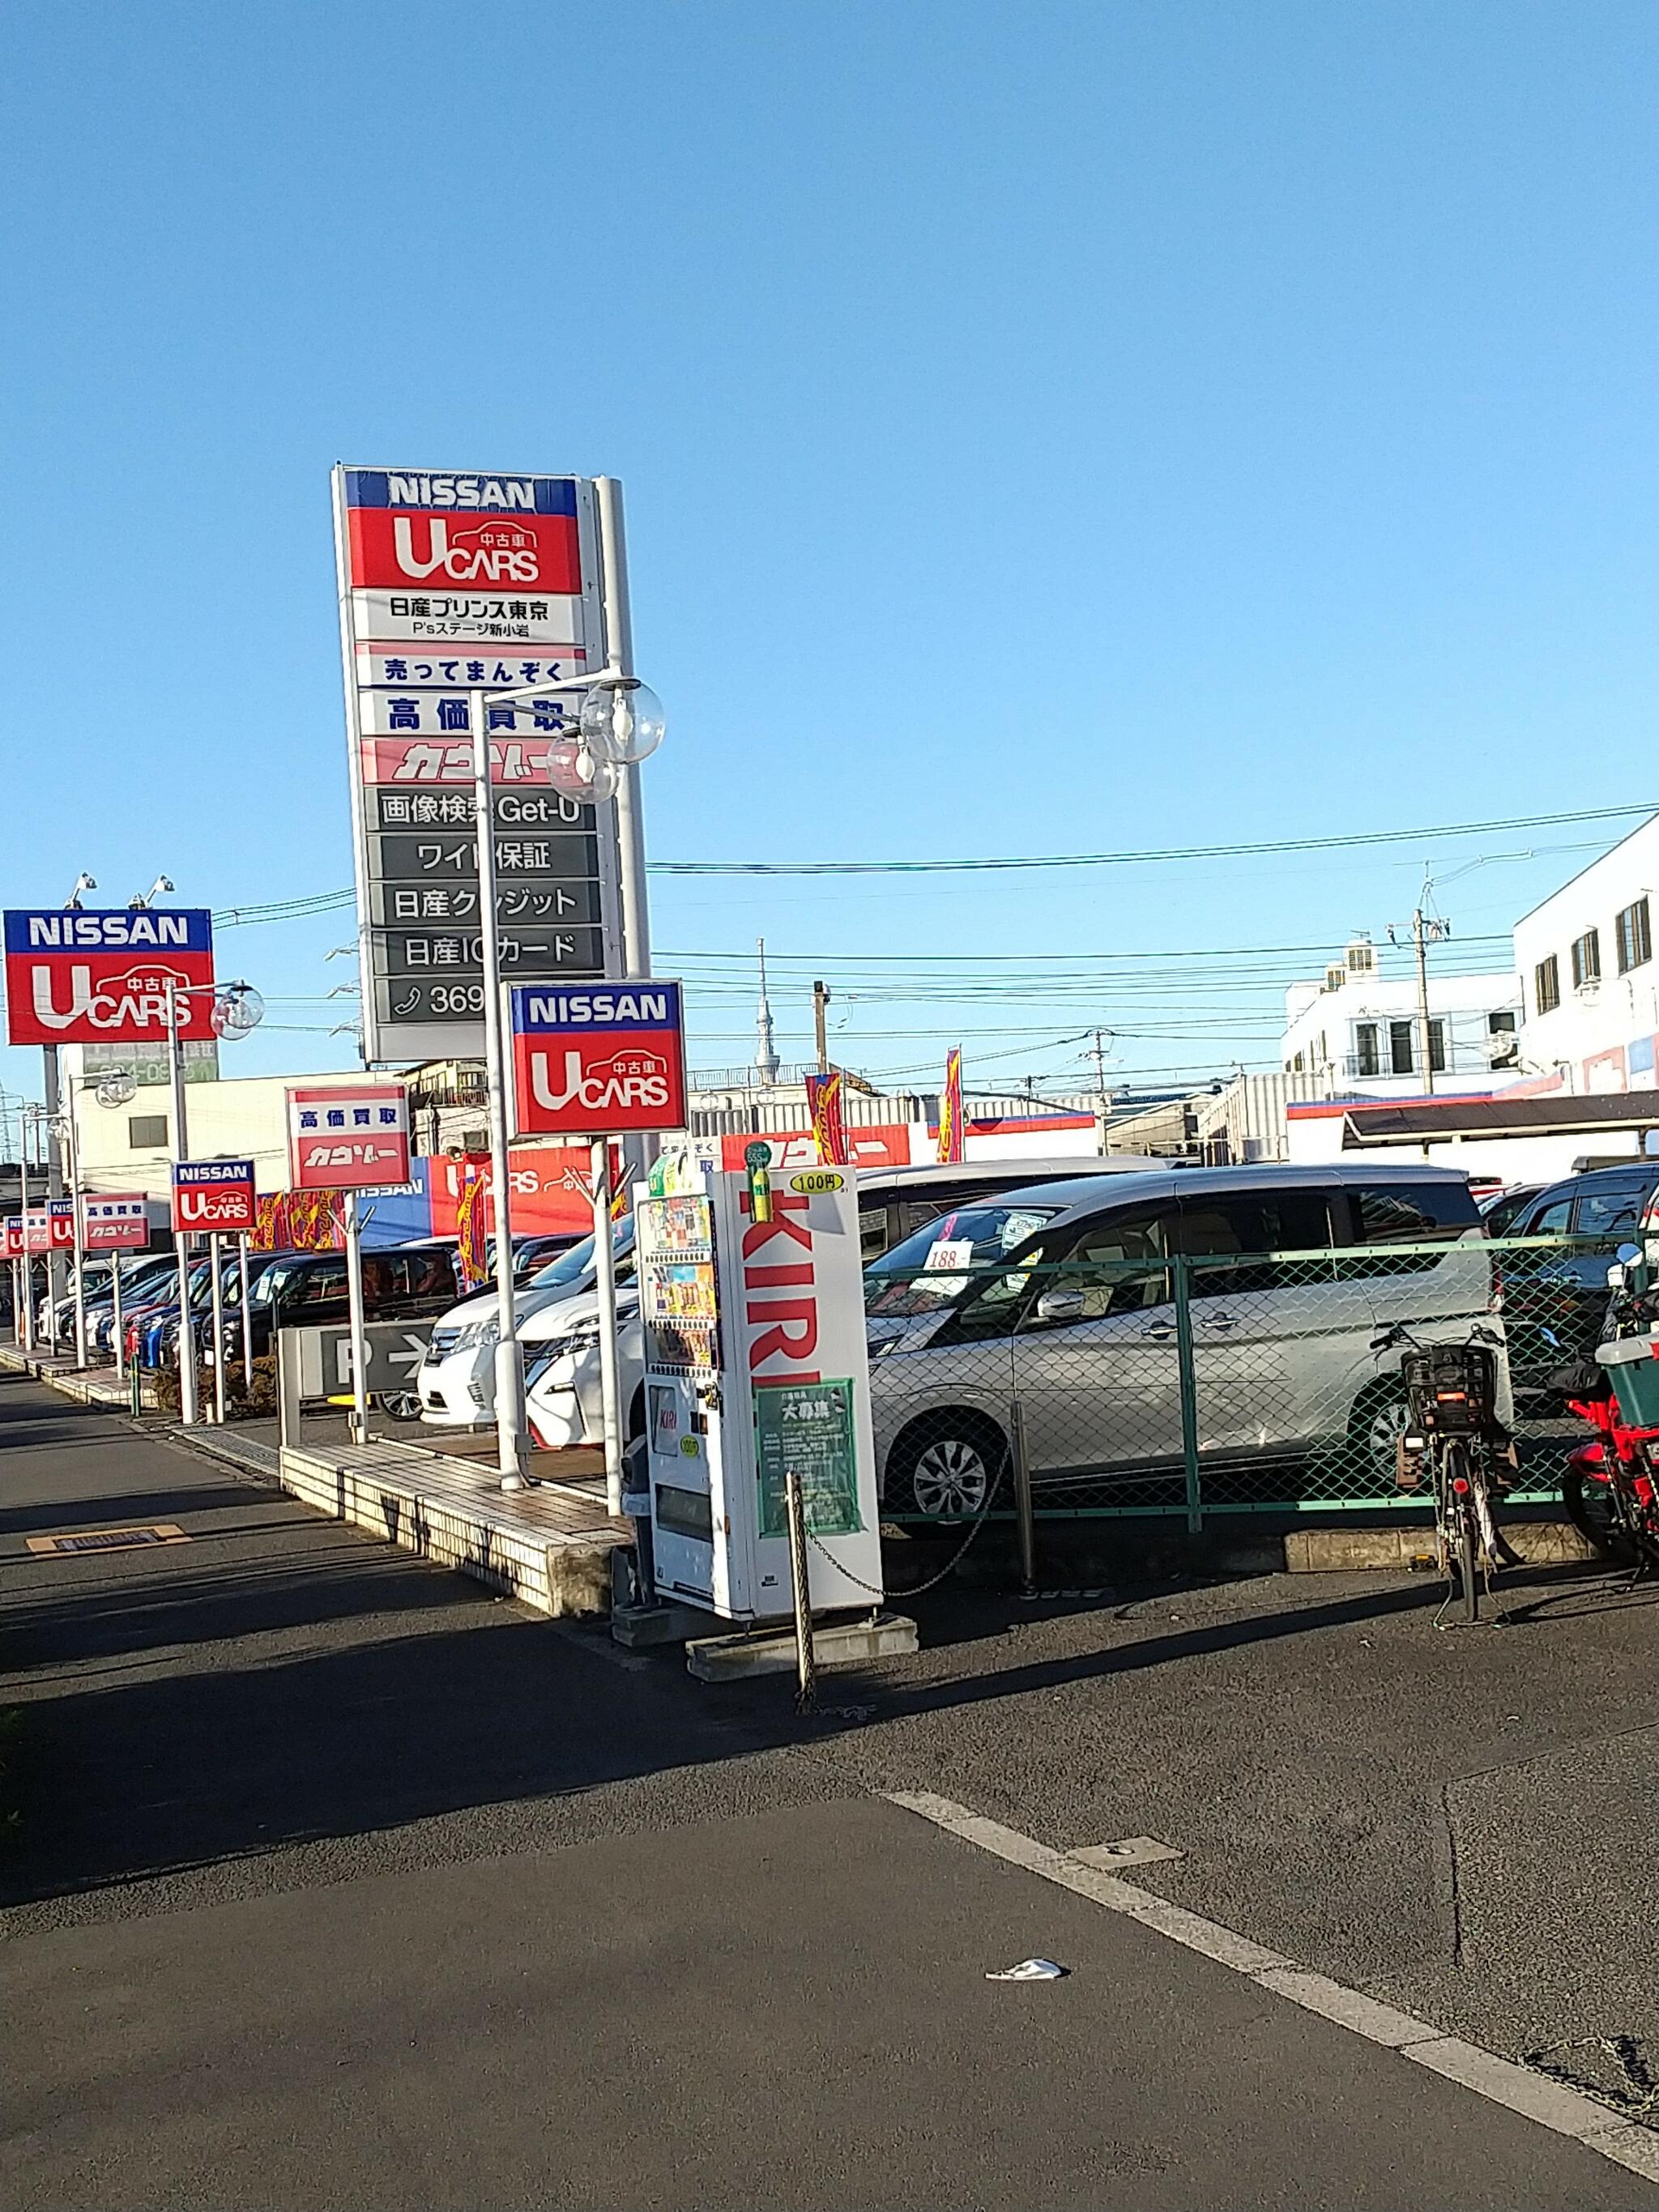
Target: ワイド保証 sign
x=450 y=582
x=215 y=1195
x=351 y=1136
x=599 y=1061
x=81 y=975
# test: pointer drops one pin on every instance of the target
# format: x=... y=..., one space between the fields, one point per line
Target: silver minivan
x=1059 y=1298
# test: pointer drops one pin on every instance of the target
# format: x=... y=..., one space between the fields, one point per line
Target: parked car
x=457 y=1379
x=309 y=1288
x=1504 y=1207
x=1555 y=1301
x=1281 y=1348
x=895 y=1202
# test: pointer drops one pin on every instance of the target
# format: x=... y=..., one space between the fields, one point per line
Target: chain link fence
x=1193 y=1384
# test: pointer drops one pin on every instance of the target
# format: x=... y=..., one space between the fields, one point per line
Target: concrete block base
x=772 y=1651
x=639 y=1627
x=1337 y=1551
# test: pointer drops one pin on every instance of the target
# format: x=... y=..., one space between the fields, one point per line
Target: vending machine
x=751 y=1297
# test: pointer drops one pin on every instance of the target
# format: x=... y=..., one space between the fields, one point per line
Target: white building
x=130 y=1147
x=1586 y=961
x=1359 y=1034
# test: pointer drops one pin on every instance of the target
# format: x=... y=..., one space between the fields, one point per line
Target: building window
x=1367 y=1059
x=1438 y=1047
x=1587 y=959
x=1546 y=984
x=1635 y=934
x=146 y=1132
x=1297 y=1063
x=1401 y=1059
x=1503 y=1048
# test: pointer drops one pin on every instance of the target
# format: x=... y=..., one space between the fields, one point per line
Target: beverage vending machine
x=752 y=1308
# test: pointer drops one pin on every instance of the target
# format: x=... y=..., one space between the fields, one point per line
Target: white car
x=457 y=1378
x=563 y=1392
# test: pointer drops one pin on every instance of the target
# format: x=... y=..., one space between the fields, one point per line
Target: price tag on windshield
x=954 y=1252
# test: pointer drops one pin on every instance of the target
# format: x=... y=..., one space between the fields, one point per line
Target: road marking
x=1563 y=2111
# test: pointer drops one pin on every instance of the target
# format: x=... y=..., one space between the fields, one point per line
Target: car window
x=571 y=1267
x=1407 y=1213
x=1255 y=1222
x=1117 y=1263
x=430 y=1274
x=313 y=1286
x=1502 y=1214
x=1605 y=1212
x=1552 y=1220
x=935 y=1265
x=874 y=1236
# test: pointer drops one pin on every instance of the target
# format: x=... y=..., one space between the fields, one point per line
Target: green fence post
x=1183 y=1309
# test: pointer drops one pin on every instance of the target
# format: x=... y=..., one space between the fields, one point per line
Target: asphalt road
x=338 y=1882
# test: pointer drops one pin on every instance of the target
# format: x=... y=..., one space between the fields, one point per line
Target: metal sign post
x=605 y=1283
x=512 y=1442
x=215 y=1263
x=117 y=1340
x=23 y=1216
x=354 y=1233
x=247 y=1323
x=188 y=1410
x=79 y=1217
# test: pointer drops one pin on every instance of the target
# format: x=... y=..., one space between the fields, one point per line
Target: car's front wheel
x=947 y=1466
x=1376 y=1425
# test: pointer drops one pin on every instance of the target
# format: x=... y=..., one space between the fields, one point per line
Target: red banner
x=829 y=1124
x=472 y=1240
x=300 y=1221
x=951 y=1131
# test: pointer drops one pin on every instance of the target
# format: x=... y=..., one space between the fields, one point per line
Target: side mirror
x=1628 y=1255
x=1059 y=1306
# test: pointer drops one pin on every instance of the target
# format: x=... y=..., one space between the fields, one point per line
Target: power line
x=1137 y=859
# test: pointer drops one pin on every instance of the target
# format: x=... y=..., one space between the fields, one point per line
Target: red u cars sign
x=599 y=1060
x=350 y=1136
x=76 y=975
x=215 y=1195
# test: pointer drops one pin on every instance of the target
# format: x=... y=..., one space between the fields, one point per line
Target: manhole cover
x=107 y=1539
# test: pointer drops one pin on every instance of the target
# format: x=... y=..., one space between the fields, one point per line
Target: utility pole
x=1426 y=930
x=1105 y=1095
x=820 y=1025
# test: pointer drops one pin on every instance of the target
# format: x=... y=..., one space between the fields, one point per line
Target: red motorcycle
x=1609 y=1486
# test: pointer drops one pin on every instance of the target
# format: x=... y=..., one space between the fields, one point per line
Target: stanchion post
x=247 y=1319
x=1183 y=1319
x=805 y=1662
x=1025 y=1518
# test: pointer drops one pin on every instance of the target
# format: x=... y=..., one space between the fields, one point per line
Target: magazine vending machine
x=751 y=1299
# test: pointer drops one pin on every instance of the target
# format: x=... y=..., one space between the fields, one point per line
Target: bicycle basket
x=1633 y=1366
x=1452 y=1388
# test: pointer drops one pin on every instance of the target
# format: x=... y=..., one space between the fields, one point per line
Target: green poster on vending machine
x=808 y=1427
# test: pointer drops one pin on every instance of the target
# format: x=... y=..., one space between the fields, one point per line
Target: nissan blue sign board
x=79 y=975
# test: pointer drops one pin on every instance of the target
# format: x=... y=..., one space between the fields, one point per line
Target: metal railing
x=1193 y=1384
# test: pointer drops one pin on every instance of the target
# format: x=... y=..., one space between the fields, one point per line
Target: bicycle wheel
x=1594 y=1508
x=1462 y=1540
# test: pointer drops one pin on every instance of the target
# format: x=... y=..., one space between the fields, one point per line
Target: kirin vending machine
x=752 y=1307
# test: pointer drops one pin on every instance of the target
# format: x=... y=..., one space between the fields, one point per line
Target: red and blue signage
x=601 y=1059
x=216 y=1196
x=81 y=975
x=418 y=530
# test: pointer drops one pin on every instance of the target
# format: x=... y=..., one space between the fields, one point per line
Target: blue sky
x=1045 y=428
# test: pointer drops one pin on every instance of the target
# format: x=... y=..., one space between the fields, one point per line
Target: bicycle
x=1452 y=1429
x=1609 y=1487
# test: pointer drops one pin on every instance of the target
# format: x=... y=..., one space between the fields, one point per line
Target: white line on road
x=1552 y=2105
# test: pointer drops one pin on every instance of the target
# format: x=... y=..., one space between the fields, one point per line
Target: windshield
x=569 y=1269
x=935 y=1266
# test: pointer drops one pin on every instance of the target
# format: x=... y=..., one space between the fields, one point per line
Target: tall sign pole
x=188 y=1410
x=512 y=1444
